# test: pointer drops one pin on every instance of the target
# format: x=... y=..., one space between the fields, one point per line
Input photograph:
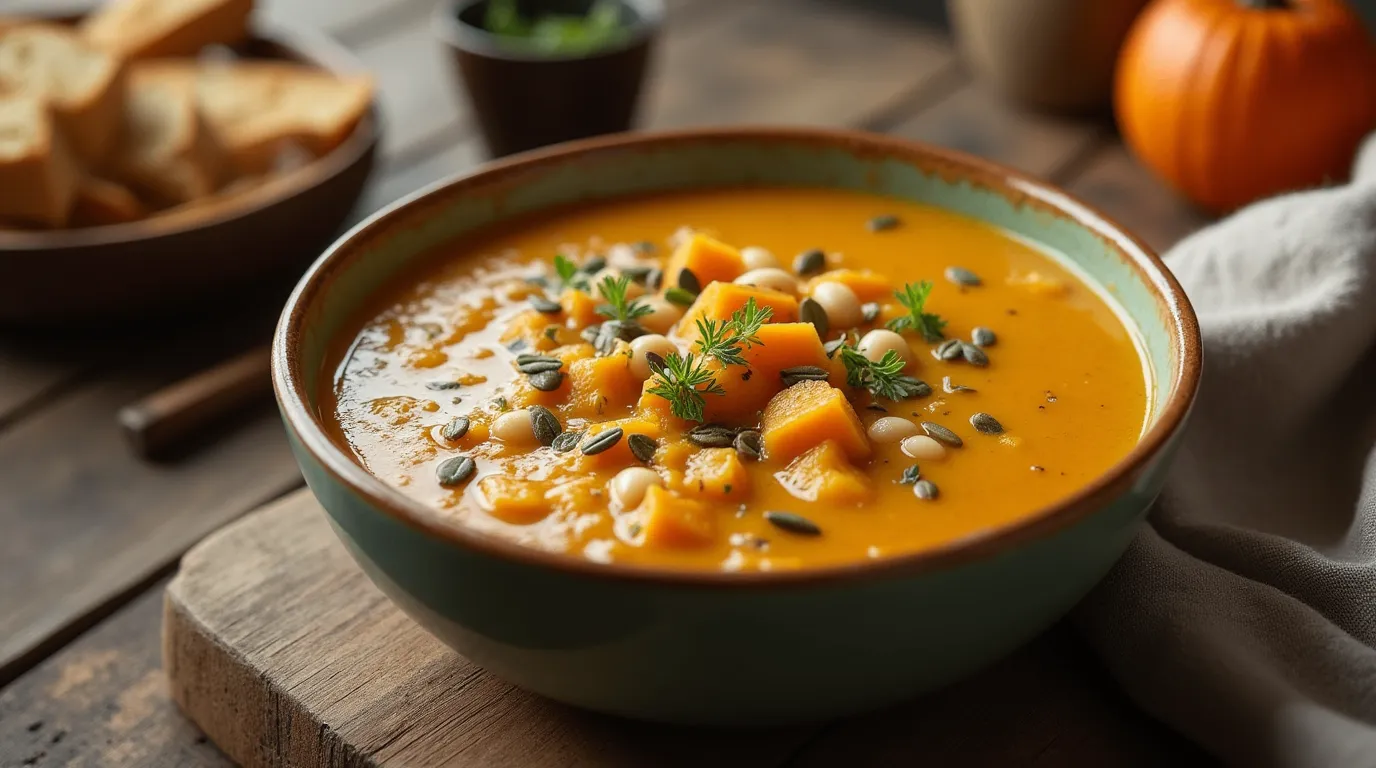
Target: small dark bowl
x=523 y=99
x=190 y=257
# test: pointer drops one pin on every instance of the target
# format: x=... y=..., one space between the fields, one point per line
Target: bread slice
x=256 y=108
x=38 y=177
x=144 y=29
x=167 y=153
x=82 y=85
x=100 y=202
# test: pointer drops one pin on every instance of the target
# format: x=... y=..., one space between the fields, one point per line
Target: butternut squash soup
x=743 y=379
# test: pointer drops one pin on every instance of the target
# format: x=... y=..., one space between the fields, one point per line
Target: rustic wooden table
x=91 y=533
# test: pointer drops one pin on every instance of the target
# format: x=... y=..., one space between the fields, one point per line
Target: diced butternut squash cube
x=600 y=385
x=782 y=345
x=531 y=327
x=824 y=475
x=719 y=300
x=670 y=521
x=676 y=454
x=717 y=473
x=573 y=496
x=710 y=260
x=514 y=500
x=580 y=309
x=868 y=286
x=802 y=416
x=619 y=455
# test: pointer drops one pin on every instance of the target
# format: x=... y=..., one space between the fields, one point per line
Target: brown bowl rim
x=288 y=381
x=311 y=47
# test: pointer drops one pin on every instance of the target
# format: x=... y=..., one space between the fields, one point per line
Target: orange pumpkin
x=1234 y=100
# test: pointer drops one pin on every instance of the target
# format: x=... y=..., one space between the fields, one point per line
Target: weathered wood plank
x=1115 y=183
x=277 y=645
x=103 y=702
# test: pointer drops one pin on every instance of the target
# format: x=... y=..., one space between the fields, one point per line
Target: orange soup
x=744 y=379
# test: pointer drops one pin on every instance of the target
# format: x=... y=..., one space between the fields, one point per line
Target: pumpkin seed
x=589 y=334
x=792 y=523
x=986 y=424
x=544 y=424
x=566 y=441
x=926 y=489
x=644 y=247
x=810 y=261
x=441 y=386
x=680 y=297
x=831 y=346
x=656 y=363
x=547 y=381
x=911 y=387
x=455 y=429
x=517 y=345
x=544 y=306
x=962 y=276
x=877 y=407
x=883 y=222
x=528 y=357
x=953 y=388
x=712 y=436
x=455 y=471
x=870 y=311
x=910 y=476
x=539 y=280
x=973 y=354
x=638 y=273
x=642 y=447
x=941 y=434
x=800 y=373
x=605 y=341
x=539 y=366
x=811 y=312
x=947 y=350
x=983 y=337
x=689 y=281
x=750 y=444
x=594 y=264
x=654 y=279
x=601 y=441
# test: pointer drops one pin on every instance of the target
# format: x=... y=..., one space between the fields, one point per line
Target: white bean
x=772 y=278
x=663 y=314
x=651 y=342
x=758 y=258
x=629 y=486
x=879 y=341
x=891 y=429
x=923 y=448
x=840 y=302
x=514 y=427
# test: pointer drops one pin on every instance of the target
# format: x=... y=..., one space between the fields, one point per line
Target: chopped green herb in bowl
x=557 y=33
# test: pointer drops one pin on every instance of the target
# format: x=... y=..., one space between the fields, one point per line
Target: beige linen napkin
x=1244 y=615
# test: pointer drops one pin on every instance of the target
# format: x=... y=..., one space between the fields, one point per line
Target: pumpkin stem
x=1266 y=5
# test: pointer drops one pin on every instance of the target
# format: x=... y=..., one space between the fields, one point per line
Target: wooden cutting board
x=284 y=653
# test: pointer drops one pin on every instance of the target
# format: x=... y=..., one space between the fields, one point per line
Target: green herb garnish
x=883 y=378
x=556 y=33
x=726 y=340
x=618 y=307
x=568 y=273
x=683 y=380
x=914 y=298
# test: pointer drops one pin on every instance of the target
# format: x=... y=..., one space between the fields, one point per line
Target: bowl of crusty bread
x=165 y=155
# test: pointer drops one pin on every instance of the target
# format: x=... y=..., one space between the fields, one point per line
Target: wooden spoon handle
x=162 y=420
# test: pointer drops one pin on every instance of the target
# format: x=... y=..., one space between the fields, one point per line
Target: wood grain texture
x=283 y=651
x=1118 y=185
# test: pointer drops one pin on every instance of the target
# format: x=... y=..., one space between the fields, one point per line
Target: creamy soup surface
x=480 y=383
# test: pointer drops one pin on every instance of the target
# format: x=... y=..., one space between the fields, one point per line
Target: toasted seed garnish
x=947 y=350
x=983 y=337
x=914 y=387
x=566 y=441
x=455 y=471
x=925 y=489
x=440 y=386
x=601 y=441
x=712 y=436
x=962 y=276
x=831 y=346
x=539 y=280
x=517 y=345
x=455 y=429
x=594 y=264
x=810 y=261
x=637 y=272
x=750 y=444
x=986 y=424
x=654 y=279
x=680 y=297
x=953 y=388
x=793 y=523
x=656 y=362
x=941 y=434
x=870 y=311
x=799 y=373
x=642 y=447
x=883 y=222
x=910 y=475
x=605 y=341
x=877 y=407
x=644 y=247
x=545 y=306
x=973 y=354
x=809 y=311
x=547 y=381
x=528 y=357
x=545 y=424
x=539 y=366
x=589 y=334
x=689 y=281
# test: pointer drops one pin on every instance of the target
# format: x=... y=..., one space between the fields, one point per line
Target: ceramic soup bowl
x=738 y=649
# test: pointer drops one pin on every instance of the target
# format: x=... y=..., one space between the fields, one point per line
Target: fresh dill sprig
x=568 y=273
x=883 y=378
x=683 y=380
x=726 y=340
x=618 y=307
x=914 y=298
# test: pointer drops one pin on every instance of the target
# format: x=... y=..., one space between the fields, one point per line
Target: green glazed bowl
x=738 y=649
